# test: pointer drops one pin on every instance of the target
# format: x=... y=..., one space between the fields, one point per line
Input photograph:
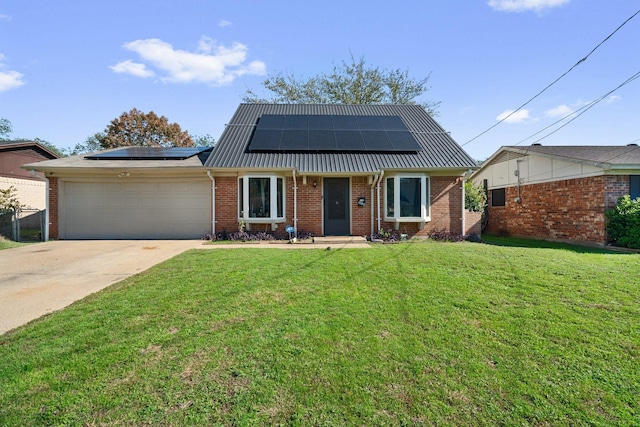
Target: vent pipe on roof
x=632 y=145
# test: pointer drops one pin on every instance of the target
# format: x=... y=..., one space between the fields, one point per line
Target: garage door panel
x=136 y=210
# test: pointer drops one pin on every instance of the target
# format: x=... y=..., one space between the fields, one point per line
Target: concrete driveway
x=40 y=278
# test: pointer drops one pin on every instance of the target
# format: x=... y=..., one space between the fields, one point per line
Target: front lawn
x=408 y=334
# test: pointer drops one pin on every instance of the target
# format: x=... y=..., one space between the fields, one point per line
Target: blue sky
x=68 y=68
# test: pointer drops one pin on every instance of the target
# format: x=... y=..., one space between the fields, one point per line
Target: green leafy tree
x=475 y=198
x=623 y=222
x=205 y=140
x=5 y=129
x=91 y=144
x=136 y=128
x=351 y=82
x=9 y=199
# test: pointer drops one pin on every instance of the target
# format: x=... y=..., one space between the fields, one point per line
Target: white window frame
x=425 y=198
x=273 y=202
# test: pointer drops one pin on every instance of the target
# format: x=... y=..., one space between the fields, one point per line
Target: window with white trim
x=261 y=198
x=407 y=198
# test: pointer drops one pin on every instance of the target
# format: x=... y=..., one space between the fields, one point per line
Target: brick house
x=557 y=192
x=324 y=169
x=31 y=188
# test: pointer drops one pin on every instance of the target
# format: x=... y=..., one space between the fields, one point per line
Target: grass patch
x=8 y=244
x=407 y=334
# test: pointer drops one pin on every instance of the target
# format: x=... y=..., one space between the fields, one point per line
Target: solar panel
x=270 y=121
x=368 y=123
x=348 y=140
x=332 y=133
x=320 y=123
x=376 y=140
x=322 y=140
x=294 y=139
x=149 y=153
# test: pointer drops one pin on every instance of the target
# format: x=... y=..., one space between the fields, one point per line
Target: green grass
x=8 y=244
x=408 y=334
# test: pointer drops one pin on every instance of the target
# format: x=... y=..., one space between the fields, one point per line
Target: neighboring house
x=31 y=187
x=557 y=192
x=324 y=169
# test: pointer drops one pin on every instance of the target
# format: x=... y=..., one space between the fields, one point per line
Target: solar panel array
x=332 y=133
x=149 y=153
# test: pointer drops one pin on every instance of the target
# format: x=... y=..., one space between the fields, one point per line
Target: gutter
x=213 y=202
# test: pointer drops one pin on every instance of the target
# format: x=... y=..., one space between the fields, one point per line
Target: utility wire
x=578 y=112
x=554 y=82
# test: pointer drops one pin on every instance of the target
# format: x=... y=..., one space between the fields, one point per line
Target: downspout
x=295 y=205
x=464 y=215
x=213 y=202
x=379 y=181
x=376 y=177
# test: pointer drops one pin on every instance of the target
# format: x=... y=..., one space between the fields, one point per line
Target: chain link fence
x=26 y=225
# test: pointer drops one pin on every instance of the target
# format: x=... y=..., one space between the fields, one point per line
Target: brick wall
x=446 y=207
x=570 y=210
x=226 y=204
x=54 y=224
x=472 y=223
x=309 y=204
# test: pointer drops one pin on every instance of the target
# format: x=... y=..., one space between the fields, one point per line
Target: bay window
x=407 y=198
x=261 y=198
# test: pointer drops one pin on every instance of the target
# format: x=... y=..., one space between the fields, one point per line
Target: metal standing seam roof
x=439 y=150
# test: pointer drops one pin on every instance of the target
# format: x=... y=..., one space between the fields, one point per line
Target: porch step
x=339 y=240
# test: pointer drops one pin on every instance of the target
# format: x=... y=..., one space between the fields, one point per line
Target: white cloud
x=519 y=116
x=211 y=63
x=224 y=23
x=133 y=68
x=559 y=111
x=613 y=98
x=9 y=79
x=5 y=17
x=525 y=5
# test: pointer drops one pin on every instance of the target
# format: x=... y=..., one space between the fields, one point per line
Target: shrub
x=475 y=198
x=389 y=235
x=623 y=222
x=446 y=236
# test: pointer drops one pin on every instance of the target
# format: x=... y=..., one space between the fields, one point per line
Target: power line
x=554 y=82
x=580 y=111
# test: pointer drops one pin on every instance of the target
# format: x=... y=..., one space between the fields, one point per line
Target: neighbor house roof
x=28 y=145
x=602 y=156
x=438 y=149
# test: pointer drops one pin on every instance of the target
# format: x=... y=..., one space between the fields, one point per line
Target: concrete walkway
x=44 y=277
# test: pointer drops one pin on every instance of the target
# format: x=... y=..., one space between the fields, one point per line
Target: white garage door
x=135 y=210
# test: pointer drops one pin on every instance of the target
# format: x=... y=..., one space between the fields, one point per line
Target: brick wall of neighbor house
x=615 y=186
x=54 y=190
x=562 y=210
x=446 y=208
